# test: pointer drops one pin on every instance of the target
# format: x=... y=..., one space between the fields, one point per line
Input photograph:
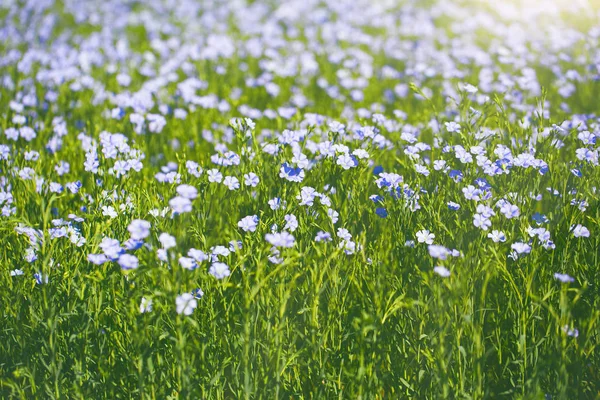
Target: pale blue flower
x=215 y=176
x=581 y=231
x=283 y=239
x=439 y=252
x=251 y=179
x=249 y=223
x=323 y=237
x=442 y=271
x=197 y=255
x=180 y=205
x=573 y=332
x=186 y=304
x=497 y=236
x=219 y=270
x=139 y=229
x=510 y=210
x=187 y=191
x=188 y=263
x=564 y=278
x=128 y=261
x=481 y=222
x=521 y=248
x=291 y=223
x=231 y=182
x=347 y=161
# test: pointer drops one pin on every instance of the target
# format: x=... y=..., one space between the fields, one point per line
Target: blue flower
x=197 y=293
x=456 y=175
x=132 y=244
x=375 y=198
x=382 y=212
x=540 y=218
x=40 y=278
x=453 y=206
x=439 y=252
x=290 y=173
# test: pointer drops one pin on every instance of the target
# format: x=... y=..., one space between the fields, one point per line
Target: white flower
x=424 y=236
x=291 y=223
x=109 y=211
x=167 y=241
x=145 y=305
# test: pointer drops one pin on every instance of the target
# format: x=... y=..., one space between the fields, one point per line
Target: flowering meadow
x=305 y=199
